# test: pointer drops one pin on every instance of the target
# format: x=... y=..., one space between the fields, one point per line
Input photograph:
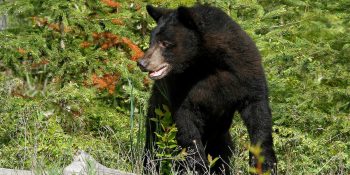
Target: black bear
x=205 y=69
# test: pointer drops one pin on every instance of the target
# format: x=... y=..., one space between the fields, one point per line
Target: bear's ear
x=156 y=12
x=186 y=17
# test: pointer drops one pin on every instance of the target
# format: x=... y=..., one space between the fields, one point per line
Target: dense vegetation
x=68 y=81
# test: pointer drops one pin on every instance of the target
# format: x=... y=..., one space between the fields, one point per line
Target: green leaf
x=159 y=112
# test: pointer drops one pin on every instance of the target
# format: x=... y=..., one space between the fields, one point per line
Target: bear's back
x=212 y=19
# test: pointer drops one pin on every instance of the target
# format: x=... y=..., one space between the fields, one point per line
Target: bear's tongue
x=157 y=73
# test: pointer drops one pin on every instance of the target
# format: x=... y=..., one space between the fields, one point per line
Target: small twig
x=63 y=46
x=203 y=162
x=288 y=24
x=324 y=165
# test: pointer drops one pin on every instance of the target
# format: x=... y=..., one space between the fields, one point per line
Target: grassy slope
x=305 y=46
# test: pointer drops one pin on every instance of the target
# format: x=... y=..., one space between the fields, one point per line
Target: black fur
x=216 y=71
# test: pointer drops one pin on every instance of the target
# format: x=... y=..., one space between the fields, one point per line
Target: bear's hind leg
x=257 y=118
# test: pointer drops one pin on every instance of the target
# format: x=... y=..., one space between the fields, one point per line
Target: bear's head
x=174 y=42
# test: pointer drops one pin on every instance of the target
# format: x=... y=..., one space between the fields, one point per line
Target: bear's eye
x=165 y=44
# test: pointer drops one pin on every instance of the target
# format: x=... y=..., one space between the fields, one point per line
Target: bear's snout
x=142 y=63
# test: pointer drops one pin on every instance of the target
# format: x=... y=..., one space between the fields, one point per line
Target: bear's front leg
x=189 y=137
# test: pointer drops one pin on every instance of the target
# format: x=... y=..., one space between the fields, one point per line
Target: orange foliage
x=22 y=51
x=39 y=21
x=42 y=62
x=117 y=22
x=96 y=36
x=137 y=52
x=18 y=94
x=107 y=40
x=107 y=81
x=146 y=82
x=105 y=46
x=111 y=3
x=85 y=44
x=76 y=113
x=138 y=7
x=53 y=26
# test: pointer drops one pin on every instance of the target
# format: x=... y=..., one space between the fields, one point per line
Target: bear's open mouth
x=160 y=72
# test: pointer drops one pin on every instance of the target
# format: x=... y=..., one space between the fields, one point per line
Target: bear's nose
x=142 y=63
